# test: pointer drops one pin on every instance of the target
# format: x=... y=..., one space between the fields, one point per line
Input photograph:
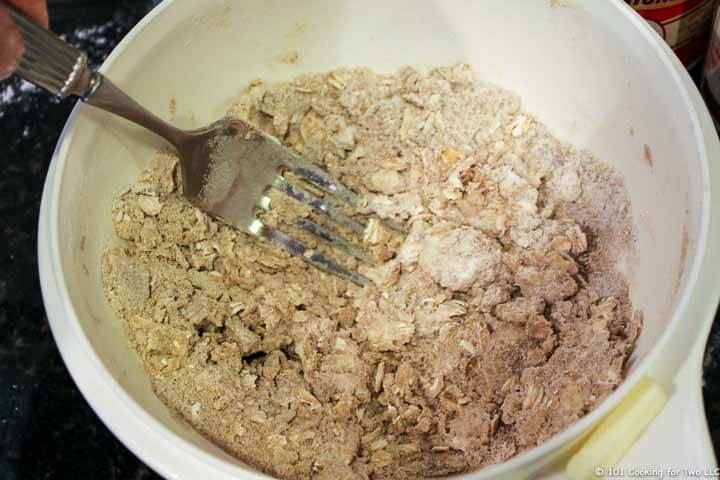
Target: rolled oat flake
x=684 y=24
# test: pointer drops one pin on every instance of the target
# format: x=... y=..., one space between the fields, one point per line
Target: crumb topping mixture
x=497 y=322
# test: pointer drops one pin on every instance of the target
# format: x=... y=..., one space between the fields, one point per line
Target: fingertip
x=40 y=14
x=36 y=10
x=11 y=49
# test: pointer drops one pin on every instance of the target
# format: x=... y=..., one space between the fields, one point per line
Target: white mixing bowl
x=591 y=70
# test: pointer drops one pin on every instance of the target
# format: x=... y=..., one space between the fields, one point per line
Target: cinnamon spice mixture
x=496 y=323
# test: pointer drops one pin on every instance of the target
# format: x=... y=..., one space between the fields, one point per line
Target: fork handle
x=49 y=62
x=63 y=70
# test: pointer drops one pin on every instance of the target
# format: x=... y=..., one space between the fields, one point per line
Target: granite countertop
x=47 y=429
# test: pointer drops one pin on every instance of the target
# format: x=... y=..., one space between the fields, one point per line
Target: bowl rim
x=104 y=393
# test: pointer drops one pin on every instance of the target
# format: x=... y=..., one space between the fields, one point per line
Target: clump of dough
x=459 y=258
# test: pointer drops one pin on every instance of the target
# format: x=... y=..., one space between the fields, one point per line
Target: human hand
x=11 y=44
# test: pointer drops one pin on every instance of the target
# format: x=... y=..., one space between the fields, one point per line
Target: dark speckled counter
x=47 y=430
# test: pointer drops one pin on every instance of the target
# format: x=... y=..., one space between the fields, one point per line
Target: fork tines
x=327 y=207
x=312 y=257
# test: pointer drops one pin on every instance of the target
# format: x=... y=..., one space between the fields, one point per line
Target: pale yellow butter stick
x=617 y=432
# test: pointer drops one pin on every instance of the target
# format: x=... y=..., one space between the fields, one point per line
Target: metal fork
x=227 y=167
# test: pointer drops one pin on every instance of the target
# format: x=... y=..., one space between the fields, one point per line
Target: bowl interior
x=581 y=67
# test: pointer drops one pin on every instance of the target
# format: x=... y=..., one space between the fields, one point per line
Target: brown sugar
x=496 y=323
